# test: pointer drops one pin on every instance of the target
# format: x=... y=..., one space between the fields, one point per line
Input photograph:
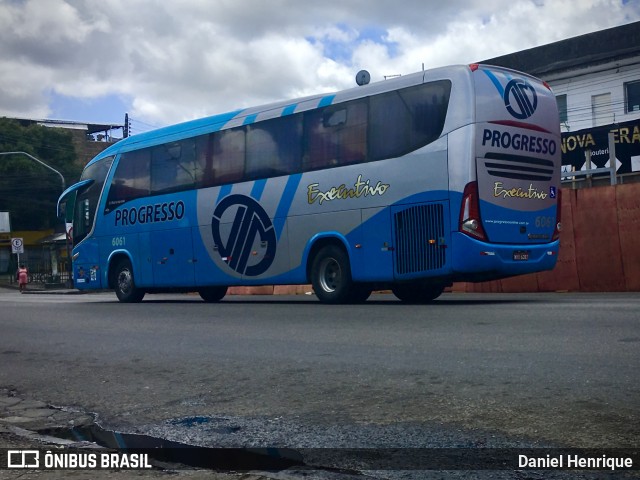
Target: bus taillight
x=558 y=229
x=470 y=222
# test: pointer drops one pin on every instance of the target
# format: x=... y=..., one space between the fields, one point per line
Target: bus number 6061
x=118 y=242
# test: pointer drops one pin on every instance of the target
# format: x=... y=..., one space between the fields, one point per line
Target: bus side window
x=274 y=147
x=131 y=179
x=353 y=137
x=407 y=119
x=173 y=167
x=187 y=172
x=427 y=105
x=336 y=135
x=227 y=163
x=319 y=147
x=388 y=126
x=204 y=161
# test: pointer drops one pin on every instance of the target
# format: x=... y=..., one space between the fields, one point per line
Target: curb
x=43 y=291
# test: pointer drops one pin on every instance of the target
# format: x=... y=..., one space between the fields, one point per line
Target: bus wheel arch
x=122 y=279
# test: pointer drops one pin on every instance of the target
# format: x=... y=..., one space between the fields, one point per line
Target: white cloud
x=181 y=60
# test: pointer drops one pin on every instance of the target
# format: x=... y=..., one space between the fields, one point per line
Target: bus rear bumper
x=500 y=260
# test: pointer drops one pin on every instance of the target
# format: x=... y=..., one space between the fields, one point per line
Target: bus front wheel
x=212 y=294
x=417 y=292
x=331 y=275
x=124 y=283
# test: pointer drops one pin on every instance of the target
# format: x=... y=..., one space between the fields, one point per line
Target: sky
x=165 y=62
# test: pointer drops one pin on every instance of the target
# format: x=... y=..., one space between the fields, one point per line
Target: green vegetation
x=28 y=190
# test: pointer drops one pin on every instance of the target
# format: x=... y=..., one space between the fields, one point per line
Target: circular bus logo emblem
x=520 y=98
x=249 y=224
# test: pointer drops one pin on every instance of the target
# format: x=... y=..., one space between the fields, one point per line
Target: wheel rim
x=330 y=275
x=125 y=281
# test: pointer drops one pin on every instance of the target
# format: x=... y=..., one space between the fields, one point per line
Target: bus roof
x=250 y=115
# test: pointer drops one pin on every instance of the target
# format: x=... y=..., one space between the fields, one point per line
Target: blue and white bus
x=408 y=184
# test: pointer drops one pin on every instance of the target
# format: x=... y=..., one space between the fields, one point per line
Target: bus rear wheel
x=417 y=292
x=124 y=283
x=331 y=275
x=212 y=294
x=360 y=292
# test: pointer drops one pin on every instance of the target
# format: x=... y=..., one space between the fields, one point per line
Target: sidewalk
x=38 y=288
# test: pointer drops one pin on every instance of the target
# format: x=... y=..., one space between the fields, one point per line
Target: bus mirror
x=62 y=209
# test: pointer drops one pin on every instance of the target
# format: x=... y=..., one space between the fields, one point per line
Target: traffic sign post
x=17 y=247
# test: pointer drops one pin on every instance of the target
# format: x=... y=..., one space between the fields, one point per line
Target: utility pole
x=127 y=127
x=40 y=162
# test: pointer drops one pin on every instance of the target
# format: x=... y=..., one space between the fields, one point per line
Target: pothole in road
x=172 y=452
x=198 y=421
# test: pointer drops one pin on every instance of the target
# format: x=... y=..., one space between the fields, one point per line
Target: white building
x=596 y=80
x=596 y=77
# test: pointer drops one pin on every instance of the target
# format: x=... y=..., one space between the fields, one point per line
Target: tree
x=28 y=190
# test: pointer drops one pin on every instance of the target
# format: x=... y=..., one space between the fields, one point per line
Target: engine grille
x=419 y=239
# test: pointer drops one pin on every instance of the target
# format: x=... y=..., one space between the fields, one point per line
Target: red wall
x=599 y=246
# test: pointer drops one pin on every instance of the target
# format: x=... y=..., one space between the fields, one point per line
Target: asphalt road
x=470 y=370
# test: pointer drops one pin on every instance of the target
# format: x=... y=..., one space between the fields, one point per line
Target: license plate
x=521 y=255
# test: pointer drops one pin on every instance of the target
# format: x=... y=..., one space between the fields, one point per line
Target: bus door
x=517 y=157
x=375 y=261
x=172 y=257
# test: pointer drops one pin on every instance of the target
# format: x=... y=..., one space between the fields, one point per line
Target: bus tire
x=124 y=284
x=360 y=292
x=212 y=294
x=417 y=292
x=331 y=275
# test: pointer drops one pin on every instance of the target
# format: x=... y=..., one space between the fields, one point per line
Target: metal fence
x=598 y=176
x=575 y=176
x=41 y=276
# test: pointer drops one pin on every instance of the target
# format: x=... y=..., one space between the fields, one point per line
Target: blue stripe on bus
x=326 y=101
x=224 y=191
x=258 y=188
x=495 y=81
x=285 y=202
x=289 y=109
x=250 y=119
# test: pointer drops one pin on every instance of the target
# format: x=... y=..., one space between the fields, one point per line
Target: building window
x=601 y=109
x=632 y=96
x=562 y=108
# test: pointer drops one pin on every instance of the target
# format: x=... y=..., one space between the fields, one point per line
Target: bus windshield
x=87 y=198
